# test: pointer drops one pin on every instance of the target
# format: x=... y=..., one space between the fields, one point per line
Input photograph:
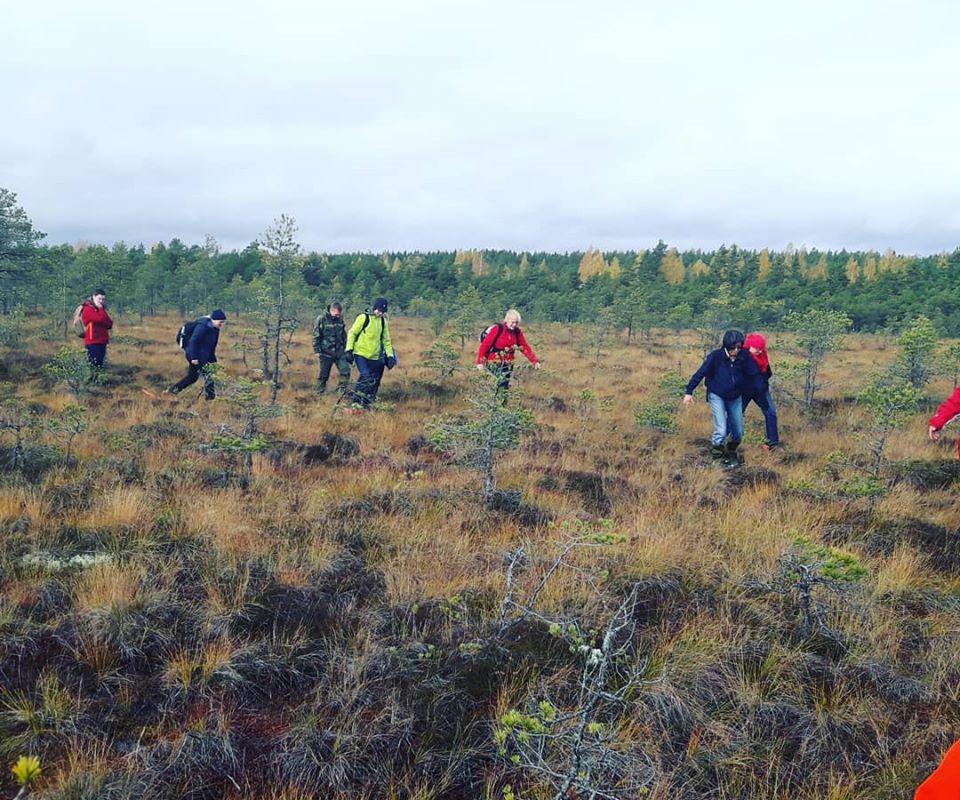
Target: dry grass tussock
x=331 y=617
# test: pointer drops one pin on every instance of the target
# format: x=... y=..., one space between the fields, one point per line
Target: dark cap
x=218 y=314
x=380 y=304
x=98 y=291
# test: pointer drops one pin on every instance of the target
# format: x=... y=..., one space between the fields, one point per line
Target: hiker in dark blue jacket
x=729 y=373
x=200 y=350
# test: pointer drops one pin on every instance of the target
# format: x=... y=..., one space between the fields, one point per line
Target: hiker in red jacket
x=499 y=345
x=96 y=328
x=947 y=411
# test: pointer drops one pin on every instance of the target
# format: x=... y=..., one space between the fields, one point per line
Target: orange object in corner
x=944 y=783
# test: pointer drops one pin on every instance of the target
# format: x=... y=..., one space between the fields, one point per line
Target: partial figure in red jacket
x=947 y=411
x=498 y=347
x=96 y=328
x=944 y=783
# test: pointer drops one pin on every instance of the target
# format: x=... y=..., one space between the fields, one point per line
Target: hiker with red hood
x=949 y=409
x=96 y=328
x=498 y=346
x=756 y=345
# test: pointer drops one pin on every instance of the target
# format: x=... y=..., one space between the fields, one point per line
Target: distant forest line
x=658 y=287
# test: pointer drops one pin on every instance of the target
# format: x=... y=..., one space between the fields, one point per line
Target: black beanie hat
x=380 y=304
x=218 y=314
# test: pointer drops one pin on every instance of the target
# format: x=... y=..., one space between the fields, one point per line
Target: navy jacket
x=203 y=342
x=729 y=378
x=760 y=392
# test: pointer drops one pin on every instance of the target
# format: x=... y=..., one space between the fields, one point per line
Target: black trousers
x=503 y=371
x=194 y=371
x=95 y=355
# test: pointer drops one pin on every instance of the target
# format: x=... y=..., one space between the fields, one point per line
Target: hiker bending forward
x=330 y=345
x=730 y=373
x=200 y=350
x=756 y=345
x=498 y=348
x=370 y=347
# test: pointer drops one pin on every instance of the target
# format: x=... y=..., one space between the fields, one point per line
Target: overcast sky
x=526 y=125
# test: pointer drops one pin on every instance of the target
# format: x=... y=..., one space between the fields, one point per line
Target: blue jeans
x=765 y=404
x=727 y=419
x=368 y=384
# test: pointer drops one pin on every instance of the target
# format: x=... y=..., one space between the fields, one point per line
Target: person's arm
x=699 y=375
x=317 y=334
x=388 y=350
x=526 y=349
x=947 y=410
x=487 y=344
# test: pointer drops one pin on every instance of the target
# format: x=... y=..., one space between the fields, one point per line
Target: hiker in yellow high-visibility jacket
x=370 y=347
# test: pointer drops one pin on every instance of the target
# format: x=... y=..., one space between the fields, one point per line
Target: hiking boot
x=321 y=388
x=733 y=455
x=772 y=447
x=717 y=452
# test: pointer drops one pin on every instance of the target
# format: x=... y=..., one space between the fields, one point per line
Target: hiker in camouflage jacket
x=330 y=343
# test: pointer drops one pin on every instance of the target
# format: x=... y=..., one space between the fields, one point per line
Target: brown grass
x=179 y=516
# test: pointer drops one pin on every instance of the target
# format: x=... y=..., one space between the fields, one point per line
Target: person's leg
x=325 y=363
x=343 y=367
x=193 y=372
x=733 y=410
x=95 y=356
x=770 y=421
x=505 y=372
x=734 y=413
x=209 y=387
x=376 y=373
x=718 y=413
x=361 y=392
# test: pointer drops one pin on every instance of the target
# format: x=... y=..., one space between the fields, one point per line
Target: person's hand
x=480 y=367
x=536 y=365
x=688 y=399
x=195 y=361
x=934 y=434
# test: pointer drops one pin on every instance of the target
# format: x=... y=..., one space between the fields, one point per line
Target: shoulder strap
x=366 y=321
x=493 y=345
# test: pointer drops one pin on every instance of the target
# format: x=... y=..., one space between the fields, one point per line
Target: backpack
x=78 y=327
x=185 y=332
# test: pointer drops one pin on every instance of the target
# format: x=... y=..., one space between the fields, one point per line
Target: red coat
x=944 y=783
x=96 y=324
x=500 y=344
x=947 y=411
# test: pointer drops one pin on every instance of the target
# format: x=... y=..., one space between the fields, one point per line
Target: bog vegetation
x=246 y=599
x=449 y=597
